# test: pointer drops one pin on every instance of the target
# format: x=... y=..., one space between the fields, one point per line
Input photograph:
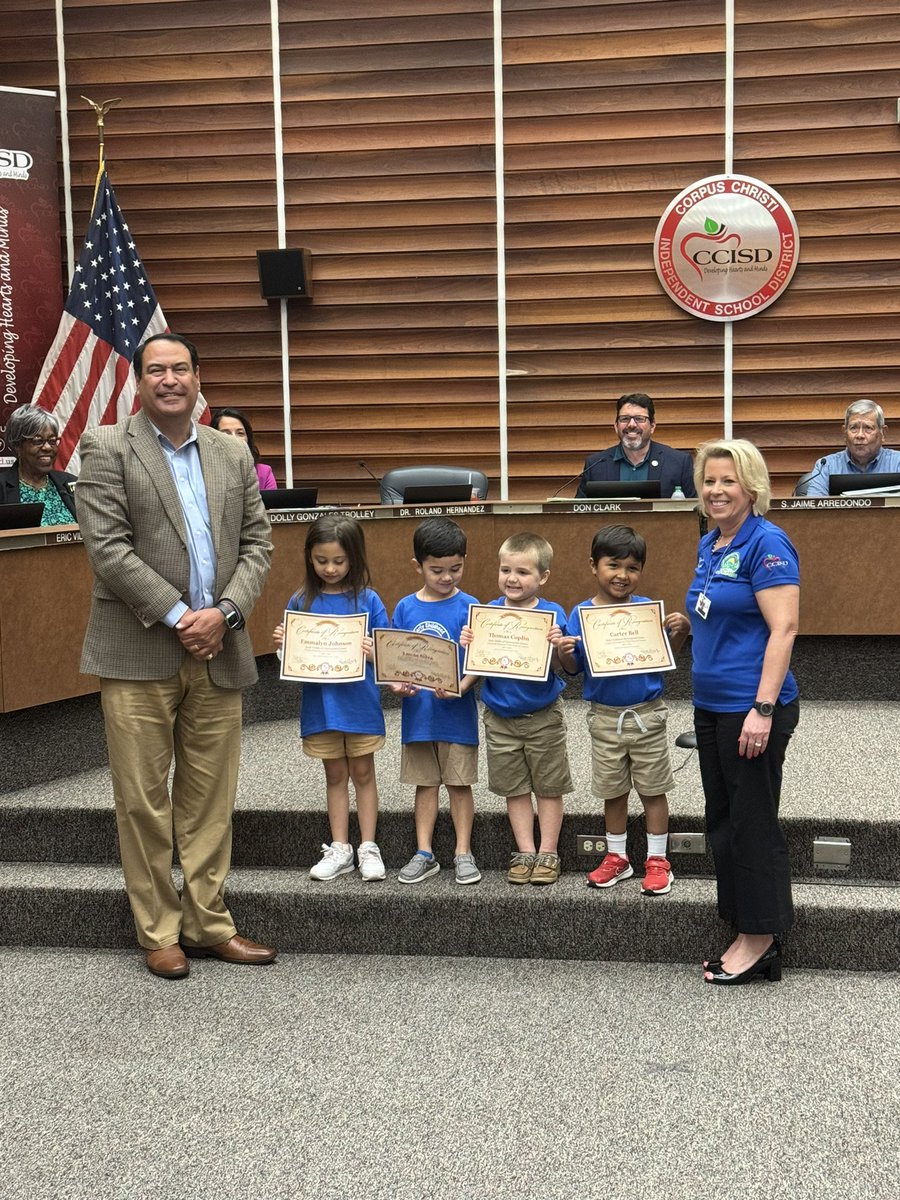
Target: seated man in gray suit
x=636 y=456
x=178 y=541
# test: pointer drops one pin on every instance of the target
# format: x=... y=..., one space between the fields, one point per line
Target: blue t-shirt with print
x=618 y=691
x=343 y=707
x=730 y=642
x=516 y=697
x=424 y=717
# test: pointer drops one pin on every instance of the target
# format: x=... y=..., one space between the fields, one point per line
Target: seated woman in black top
x=33 y=436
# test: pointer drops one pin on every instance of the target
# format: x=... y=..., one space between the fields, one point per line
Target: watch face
x=764 y=708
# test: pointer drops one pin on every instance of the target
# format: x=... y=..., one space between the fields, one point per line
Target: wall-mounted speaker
x=284 y=274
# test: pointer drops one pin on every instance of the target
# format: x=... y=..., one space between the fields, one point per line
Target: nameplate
x=829 y=502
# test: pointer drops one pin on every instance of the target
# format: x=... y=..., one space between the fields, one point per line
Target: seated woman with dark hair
x=233 y=422
x=33 y=435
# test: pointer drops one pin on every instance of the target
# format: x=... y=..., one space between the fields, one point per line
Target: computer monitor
x=861 y=482
x=290 y=497
x=437 y=493
x=21 y=516
x=622 y=489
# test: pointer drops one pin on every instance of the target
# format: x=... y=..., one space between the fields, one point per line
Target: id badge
x=701 y=608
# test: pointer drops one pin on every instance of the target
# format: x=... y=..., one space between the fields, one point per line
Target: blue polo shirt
x=730 y=643
x=517 y=697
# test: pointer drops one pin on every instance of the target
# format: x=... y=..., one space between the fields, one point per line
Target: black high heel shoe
x=768 y=964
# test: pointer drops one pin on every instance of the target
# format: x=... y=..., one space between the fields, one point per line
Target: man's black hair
x=640 y=399
x=138 y=360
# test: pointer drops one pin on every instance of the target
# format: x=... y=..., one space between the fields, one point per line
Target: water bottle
x=678 y=494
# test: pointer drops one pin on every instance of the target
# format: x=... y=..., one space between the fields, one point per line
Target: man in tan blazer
x=178 y=541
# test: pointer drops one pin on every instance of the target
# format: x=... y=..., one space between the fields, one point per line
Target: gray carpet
x=441 y=1078
x=836 y=767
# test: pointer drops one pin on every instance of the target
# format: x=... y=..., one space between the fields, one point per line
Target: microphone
x=816 y=472
x=368 y=470
x=565 y=485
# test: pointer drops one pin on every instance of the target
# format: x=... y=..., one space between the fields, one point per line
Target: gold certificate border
x=661 y=657
x=545 y=617
x=294 y=623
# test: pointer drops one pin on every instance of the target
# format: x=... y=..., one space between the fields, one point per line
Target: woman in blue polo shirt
x=744 y=605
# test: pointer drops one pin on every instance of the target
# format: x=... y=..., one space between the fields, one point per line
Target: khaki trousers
x=148 y=723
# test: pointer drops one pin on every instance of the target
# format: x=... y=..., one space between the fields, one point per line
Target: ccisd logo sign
x=726 y=247
x=15 y=164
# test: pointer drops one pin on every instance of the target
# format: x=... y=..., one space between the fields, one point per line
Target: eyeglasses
x=39 y=442
x=632 y=420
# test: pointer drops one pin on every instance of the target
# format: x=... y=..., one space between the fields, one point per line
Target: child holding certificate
x=342 y=723
x=627 y=719
x=524 y=724
x=439 y=732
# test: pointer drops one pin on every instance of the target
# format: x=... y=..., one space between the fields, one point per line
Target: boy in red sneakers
x=627 y=719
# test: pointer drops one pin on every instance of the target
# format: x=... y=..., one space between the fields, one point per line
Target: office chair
x=394 y=483
x=802 y=484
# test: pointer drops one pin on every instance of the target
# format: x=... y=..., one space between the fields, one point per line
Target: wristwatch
x=233 y=618
x=764 y=708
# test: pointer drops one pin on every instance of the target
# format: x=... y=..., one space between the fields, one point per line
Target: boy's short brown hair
x=530 y=543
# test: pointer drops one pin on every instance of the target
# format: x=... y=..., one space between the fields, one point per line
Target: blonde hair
x=749 y=469
x=533 y=544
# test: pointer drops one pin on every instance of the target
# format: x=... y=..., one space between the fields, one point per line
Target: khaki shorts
x=334 y=744
x=528 y=754
x=625 y=756
x=430 y=764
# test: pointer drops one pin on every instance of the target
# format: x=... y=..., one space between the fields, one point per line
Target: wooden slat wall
x=816 y=117
x=389 y=160
x=610 y=110
x=611 y=107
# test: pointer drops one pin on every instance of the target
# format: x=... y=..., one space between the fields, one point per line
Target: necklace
x=721 y=542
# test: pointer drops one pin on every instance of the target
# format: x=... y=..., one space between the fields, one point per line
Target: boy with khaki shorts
x=439 y=732
x=524 y=724
x=627 y=720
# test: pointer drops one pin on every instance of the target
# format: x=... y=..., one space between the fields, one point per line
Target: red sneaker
x=657 y=877
x=612 y=870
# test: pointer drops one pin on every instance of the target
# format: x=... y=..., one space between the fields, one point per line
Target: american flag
x=87 y=378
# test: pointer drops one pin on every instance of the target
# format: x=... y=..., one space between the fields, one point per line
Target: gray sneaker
x=418 y=868
x=466 y=870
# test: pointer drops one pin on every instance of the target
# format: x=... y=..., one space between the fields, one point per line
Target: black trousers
x=753 y=873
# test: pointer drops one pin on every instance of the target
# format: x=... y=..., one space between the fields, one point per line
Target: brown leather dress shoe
x=236 y=950
x=168 y=963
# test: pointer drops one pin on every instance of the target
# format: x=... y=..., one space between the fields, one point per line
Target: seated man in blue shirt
x=865 y=452
x=637 y=457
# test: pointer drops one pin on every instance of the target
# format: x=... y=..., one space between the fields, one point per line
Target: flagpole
x=100 y=111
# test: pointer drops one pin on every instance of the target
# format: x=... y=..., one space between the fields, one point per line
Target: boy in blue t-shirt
x=439 y=732
x=524 y=724
x=627 y=720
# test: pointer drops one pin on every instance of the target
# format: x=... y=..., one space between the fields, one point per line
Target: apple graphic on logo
x=714 y=232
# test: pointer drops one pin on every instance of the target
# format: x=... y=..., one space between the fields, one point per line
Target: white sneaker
x=370 y=864
x=336 y=860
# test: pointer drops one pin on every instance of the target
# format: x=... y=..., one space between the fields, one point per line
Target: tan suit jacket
x=133 y=528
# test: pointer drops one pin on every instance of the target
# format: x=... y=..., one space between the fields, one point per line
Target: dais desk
x=45 y=580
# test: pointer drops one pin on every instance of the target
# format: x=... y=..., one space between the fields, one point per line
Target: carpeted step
x=837 y=927
x=291 y=838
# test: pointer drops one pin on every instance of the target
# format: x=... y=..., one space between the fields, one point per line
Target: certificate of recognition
x=422 y=659
x=323 y=649
x=623 y=639
x=509 y=643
